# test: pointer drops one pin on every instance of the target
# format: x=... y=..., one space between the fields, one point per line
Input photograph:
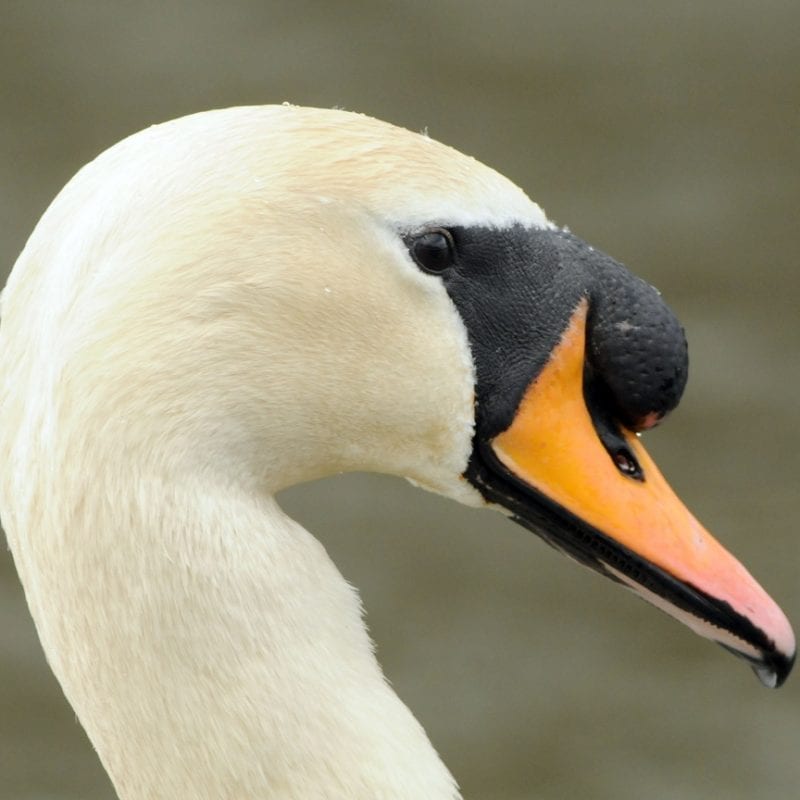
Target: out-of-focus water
x=666 y=134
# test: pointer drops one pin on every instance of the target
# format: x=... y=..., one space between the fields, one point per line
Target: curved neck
x=217 y=652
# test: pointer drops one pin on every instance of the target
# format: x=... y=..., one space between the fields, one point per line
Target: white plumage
x=212 y=310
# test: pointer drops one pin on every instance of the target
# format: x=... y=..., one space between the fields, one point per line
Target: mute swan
x=233 y=302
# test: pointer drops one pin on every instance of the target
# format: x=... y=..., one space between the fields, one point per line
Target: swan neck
x=217 y=652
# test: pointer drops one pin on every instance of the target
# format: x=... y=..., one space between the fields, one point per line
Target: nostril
x=599 y=403
x=627 y=464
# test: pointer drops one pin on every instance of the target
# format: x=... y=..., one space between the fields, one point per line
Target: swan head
x=269 y=295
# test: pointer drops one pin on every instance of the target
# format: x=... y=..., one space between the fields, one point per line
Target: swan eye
x=433 y=250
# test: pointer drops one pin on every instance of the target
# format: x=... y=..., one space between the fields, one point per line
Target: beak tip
x=773 y=671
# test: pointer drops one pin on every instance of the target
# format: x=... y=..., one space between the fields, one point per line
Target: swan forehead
x=333 y=156
x=407 y=178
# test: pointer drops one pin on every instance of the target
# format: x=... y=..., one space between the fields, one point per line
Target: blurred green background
x=665 y=134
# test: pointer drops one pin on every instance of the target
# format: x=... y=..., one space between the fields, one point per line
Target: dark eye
x=433 y=250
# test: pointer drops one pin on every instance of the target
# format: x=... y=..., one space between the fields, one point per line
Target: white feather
x=214 y=309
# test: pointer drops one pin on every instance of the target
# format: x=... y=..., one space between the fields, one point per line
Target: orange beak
x=633 y=526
